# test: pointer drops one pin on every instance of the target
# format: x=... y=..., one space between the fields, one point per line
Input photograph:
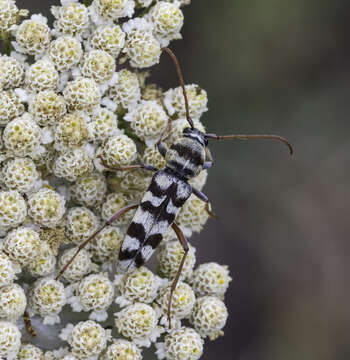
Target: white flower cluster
x=69 y=114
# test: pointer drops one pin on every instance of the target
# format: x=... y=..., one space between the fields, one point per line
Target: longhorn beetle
x=168 y=191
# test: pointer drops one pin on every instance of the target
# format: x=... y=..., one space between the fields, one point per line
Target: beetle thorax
x=186 y=156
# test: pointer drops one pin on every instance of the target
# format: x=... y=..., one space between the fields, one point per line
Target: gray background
x=282 y=67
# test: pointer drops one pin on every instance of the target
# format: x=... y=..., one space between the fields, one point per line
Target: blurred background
x=274 y=66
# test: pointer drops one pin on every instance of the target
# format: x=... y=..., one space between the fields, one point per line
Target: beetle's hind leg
x=28 y=324
x=110 y=221
x=184 y=244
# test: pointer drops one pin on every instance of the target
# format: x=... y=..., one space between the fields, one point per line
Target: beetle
x=168 y=191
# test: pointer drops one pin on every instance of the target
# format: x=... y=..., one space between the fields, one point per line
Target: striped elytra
x=158 y=209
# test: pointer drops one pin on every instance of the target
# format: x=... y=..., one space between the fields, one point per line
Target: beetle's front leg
x=161 y=148
x=210 y=161
x=129 y=167
x=204 y=198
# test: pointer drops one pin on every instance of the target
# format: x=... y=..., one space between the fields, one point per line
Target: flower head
x=209 y=316
x=152 y=92
x=184 y=343
x=11 y=72
x=46 y=207
x=109 y=38
x=170 y=255
x=210 y=279
x=71 y=19
x=80 y=267
x=71 y=131
x=30 y=352
x=10 y=340
x=141 y=47
x=82 y=94
x=114 y=9
x=46 y=107
x=105 y=246
x=152 y=156
x=182 y=302
x=122 y=350
x=44 y=263
x=193 y=215
x=81 y=223
x=103 y=125
x=168 y=20
x=73 y=164
x=9 y=14
x=140 y=285
x=42 y=75
x=99 y=65
x=22 y=136
x=87 y=339
x=65 y=52
x=175 y=103
x=95 y=293
x=33 y=36
x=148 y=120
x=13 y=209
x=126 y=90
x=47 y=298
x=10 y=106
x=13 y=302
x=20 y=174
x=117 y=151
x=138 y=322
x=8 y=269
x=89 y=190
x=22 y=245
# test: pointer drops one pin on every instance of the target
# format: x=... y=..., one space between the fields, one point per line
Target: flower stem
x=87 y=2
x=125 y=125
x=6 y=38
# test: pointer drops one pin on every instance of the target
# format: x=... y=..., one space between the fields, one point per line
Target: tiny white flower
x=22 y=94
x=47 y=298
x=51 y=319
x=30 y=352
x=148 y=120
x=197 y=99
x=167 y=19
x=32 y=36
x=88 y=339
x=211 y=279
x=139 y=323
x=183 y=343
x=13 y=302
x=39 y=18
x=113 y=9
x=209 y=317
x=66 y=331
x=125 y=90
x=141 y=47
x=169 y=258
x=108 y=38
x=10 y=340
x=140 y=285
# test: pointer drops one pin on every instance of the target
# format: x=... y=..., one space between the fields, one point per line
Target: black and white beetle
x=167 y=193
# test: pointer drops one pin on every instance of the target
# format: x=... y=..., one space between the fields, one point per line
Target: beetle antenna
x=245 y=137
x=181 y=80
